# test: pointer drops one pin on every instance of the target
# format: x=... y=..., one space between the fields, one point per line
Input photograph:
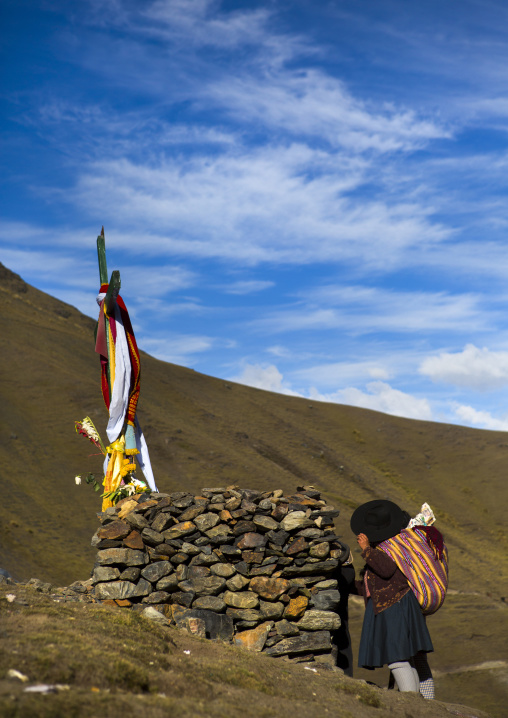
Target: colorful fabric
x=120 y=382
x=423 y=558
x=113 y=469
x=121 y=374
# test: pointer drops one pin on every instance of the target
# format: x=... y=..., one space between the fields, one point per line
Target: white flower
x=90 y=429
x=133 y=485
x=77 y=479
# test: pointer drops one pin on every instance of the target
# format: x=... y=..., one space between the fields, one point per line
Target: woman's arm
x=379 y=562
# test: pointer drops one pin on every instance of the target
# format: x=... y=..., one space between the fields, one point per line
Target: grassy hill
x=203 y=431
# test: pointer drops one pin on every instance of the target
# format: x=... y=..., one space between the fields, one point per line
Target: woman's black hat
x=379 y=520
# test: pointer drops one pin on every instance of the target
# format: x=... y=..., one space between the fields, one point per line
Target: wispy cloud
x=247 y=286
x=279 y=351
x=312 y=104
x=365 y=309
x=177 y=349
x=203 y=23
x=49 y=267
x=345 y=373
x=287 y=205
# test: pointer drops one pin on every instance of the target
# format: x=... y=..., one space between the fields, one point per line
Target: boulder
x=241 y=599
x=126 y=556
x=305 y=643
x=203 y=586
x=255 y=639
x=155 y=571
x=269 y=588
x=318 y=621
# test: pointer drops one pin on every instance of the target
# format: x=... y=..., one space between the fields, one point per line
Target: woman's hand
x=363 y=541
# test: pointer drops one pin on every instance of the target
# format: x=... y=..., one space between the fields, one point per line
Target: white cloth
x=143 y=456
x=424 y=518
x=120 y=399
x=121 y=387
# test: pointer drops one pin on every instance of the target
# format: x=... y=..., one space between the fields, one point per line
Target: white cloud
x=473 y=368
x=177 y=349
x=380 y=397
x=378 y=372
x=264 y=377
x=284 y=201
x=247 y=286
x=479 y=419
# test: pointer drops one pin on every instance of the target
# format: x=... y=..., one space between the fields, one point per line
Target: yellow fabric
x=114 y=471
x=119 y=465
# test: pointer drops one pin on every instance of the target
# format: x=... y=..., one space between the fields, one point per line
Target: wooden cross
x=114 y=282
x=111 y=294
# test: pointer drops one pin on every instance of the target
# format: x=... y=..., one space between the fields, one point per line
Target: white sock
x=405 y=678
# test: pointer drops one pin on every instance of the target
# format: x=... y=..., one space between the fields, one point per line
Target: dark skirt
x=395 y=634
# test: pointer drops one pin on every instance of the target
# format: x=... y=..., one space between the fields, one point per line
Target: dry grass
x=114 y=663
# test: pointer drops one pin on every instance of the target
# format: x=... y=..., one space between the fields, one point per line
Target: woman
x=394 y=631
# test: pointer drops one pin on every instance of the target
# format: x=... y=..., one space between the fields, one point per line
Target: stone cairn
x=258 y=569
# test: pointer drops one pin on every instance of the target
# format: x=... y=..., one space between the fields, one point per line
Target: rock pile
x=256 y=568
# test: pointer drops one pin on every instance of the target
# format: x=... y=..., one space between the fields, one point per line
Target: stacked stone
x=256 y=568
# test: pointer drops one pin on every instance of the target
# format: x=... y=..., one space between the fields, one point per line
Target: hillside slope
x=203 y=431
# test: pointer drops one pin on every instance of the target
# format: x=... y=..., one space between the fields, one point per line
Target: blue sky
x=305 y=197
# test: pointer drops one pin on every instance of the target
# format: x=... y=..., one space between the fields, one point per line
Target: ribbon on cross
x=120 y=382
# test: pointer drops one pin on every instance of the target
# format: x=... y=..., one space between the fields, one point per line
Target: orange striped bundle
x=425 y=568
